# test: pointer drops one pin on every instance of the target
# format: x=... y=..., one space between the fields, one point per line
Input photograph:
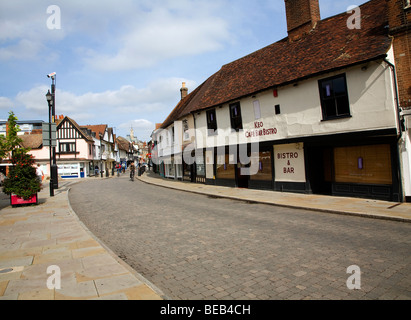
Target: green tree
x=21 y=179
x=12 y=141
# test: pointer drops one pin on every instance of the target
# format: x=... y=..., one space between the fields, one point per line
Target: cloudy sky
x=122 y=62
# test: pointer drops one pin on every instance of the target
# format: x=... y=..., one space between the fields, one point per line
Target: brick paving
x=34 y=238
x=197 y=247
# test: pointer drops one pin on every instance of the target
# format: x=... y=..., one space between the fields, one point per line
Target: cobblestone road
x=197 y=247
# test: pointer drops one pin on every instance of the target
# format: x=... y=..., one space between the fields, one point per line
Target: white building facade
x=317 y=112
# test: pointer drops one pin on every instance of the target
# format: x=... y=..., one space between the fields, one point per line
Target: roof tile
x=330 y=46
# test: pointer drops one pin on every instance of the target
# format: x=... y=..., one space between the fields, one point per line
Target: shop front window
x=225 y=170
x=363 y=164
x=264 y=167
x=200 y=167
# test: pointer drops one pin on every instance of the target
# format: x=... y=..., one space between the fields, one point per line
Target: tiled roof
x=330 y=46
x=123 y=143
x=98 y=129
x=32 y=141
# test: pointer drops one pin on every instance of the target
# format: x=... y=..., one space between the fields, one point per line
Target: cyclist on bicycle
x=132 y=170
x=118 y=168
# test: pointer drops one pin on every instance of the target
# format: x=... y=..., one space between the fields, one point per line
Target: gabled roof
x=123 y=144
x=76 y=126
x=330 y=46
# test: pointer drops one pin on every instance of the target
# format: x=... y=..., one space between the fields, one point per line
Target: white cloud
x=155 y=101
x=140 y=124
x=34 y=99
x=156 y=95
x=23 y=50
x=5 y=103
x=142 y=128
x=161 y=34
x=113 y=36
x=23 y=31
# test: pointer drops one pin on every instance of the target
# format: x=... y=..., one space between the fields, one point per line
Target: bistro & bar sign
x=289 y=162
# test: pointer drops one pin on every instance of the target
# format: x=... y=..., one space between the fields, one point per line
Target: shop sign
x=259 y=130
x=289 y=162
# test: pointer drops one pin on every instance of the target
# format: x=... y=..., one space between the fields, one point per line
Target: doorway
x=241 y=179
x=320 y=164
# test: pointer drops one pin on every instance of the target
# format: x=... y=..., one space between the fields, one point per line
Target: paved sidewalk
x=32 y=238
x=339 y=205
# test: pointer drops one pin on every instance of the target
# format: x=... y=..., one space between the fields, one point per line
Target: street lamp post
x=50 y=103
x=53 y=167
x=101 y=156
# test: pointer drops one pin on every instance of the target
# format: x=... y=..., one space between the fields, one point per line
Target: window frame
x=67 y=144
x=211 y=125
x=236 y=121
x=340 y=111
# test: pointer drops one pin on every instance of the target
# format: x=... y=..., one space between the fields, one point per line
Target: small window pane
x=342 y=105
x=257 y=110
x=339 y=86
x=330 y=110
x=327 y=90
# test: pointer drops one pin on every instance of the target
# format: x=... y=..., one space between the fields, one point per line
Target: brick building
x=399 y=21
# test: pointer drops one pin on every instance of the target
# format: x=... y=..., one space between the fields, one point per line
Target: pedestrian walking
x=39 y=173
x=132 y=171
x=2 y=177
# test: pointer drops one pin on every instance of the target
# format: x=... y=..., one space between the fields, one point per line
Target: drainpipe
x=397 y=104
x=194 y=167
x=399 y=129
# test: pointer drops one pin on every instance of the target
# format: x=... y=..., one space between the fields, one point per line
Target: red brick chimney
x=184 y=91
x=399 y=20
x=302 y=17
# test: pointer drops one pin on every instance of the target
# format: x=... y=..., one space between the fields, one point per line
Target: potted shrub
x=21 y=182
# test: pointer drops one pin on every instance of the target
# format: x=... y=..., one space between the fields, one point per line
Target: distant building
x=26 y=127
x=131 y=137
x=81 y=151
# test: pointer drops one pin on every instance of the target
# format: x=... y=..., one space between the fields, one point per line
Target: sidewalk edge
x=292 y=206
